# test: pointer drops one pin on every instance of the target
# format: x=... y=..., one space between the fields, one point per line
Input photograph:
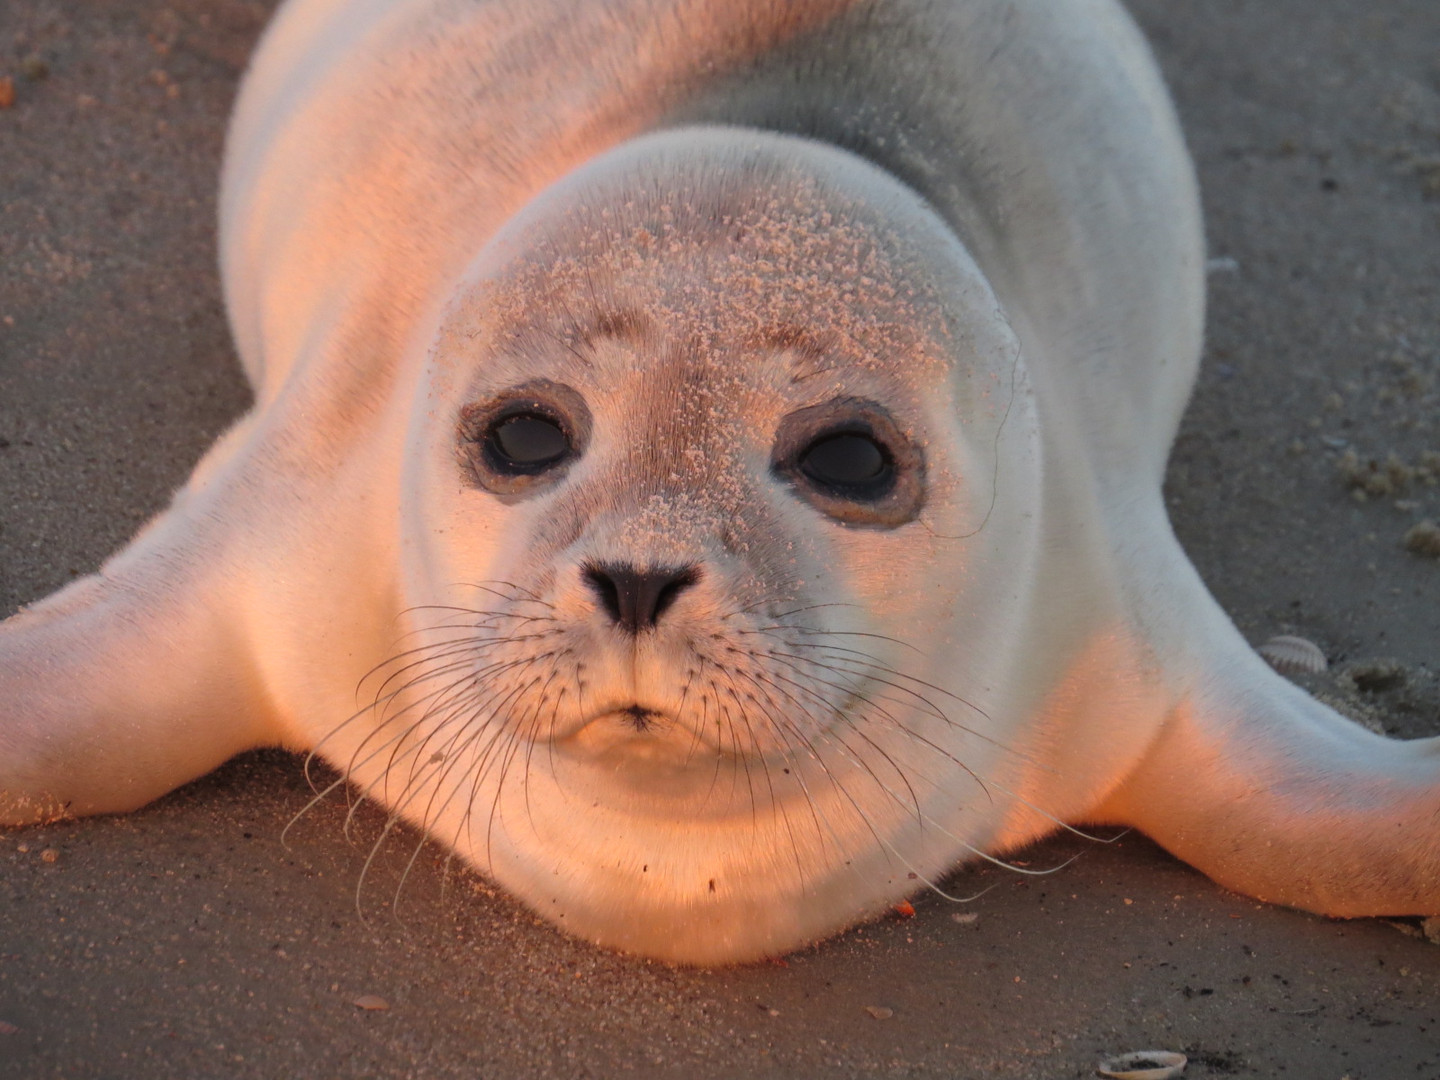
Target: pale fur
x=982 y=214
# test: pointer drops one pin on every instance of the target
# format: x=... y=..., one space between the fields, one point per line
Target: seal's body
x=723 y=444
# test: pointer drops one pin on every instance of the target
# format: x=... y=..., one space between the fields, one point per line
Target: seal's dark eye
x=849 y=459
x=849 y=462
x=527 y=442
x=524 y=440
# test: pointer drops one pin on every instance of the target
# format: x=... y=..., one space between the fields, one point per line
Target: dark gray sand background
x=187 y=941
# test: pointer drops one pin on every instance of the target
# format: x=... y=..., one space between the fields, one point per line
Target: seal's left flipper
x=129 y=682
x=1265 y=789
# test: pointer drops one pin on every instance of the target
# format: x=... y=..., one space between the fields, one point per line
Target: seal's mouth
x=639 y=739
x=631 y=731
x=640 y=718
x=618 y=724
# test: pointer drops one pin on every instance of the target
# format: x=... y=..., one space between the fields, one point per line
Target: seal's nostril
x=604 y=587
x=635 y=599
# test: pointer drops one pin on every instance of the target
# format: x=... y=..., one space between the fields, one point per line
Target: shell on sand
x=1288 y=654
x=1144 y=1065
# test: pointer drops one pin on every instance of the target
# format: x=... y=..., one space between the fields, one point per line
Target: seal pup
x=738 y=464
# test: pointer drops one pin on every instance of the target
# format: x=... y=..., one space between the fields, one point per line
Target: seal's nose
x=634 y=598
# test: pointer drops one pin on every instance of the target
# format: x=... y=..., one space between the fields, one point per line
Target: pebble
x=1423 y=539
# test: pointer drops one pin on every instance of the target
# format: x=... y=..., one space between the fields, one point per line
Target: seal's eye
x=527 y=442
x=848 y=462
x=524 y=439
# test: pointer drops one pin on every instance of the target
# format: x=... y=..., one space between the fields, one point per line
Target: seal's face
x=696 y=478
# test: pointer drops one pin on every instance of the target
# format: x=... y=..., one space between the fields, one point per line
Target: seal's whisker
x=470 y=629
x=865 y=673
x=1058 y=822
x=871 y=665
x=519 y=592
x=429 y=703
x=889 y=760
x=382 y=700
x=740 y=755
x=443 y=761
x=917 y=737
x=817 y=631
x=785 y=729
x=320 y=743
x=451 y=699
x=550 y=741
x=857 y=759
x=874 y=663
x=495 y=725
x=472 y=731
x=980 y=853
x=777 y=804
x=464 y=648
x=737 y=612
x=788 y=728
x=883 y=713
x=505 y=763
x=318 y=798
x=529 y=741
x=468 y=675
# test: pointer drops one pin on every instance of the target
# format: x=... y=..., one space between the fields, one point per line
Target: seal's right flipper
x=127 y=683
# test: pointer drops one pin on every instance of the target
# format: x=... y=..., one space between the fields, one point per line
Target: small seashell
x=879 y=1012
x=1144 y=1065
x=50 y=855
x=1294 y=655
x=371 y=1003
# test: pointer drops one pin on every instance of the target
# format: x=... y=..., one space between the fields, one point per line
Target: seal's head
x=704 y=470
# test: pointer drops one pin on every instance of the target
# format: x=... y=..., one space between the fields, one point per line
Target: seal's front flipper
x=1271 y=793
x=1274 y=795
x=126 y=684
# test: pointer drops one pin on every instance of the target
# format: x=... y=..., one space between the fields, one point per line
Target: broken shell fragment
x=1144 y=1065
x=1292 y=655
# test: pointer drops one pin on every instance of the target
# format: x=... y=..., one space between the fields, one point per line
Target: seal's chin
x=644 y=839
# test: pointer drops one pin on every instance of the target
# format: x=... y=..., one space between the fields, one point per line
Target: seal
x=722 y=444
